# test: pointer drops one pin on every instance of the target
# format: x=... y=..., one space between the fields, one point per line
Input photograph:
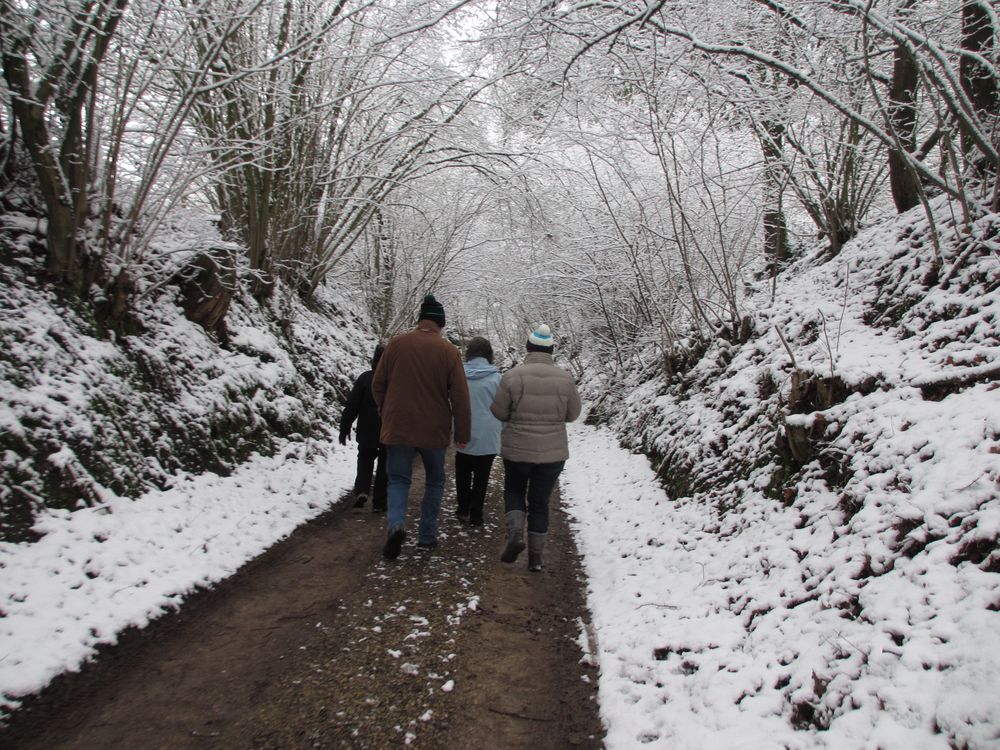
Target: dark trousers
x=526 y=487
x=368 y=455
x=472 y=475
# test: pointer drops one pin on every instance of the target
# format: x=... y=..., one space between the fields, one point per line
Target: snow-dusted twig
x=829 y=347
x=843 y=308
x=960 y=261
x=784 y=343
x=658 y=606
x=958 y=379
x=848 y=642
x=960 y=489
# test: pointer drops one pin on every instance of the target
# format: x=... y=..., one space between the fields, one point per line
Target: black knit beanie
x=432 y=310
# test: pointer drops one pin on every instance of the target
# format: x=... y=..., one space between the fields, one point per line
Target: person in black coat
x=360 y=406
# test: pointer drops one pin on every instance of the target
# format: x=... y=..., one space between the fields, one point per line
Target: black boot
x=394 y=543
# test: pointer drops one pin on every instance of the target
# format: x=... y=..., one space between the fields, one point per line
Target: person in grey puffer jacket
x=535 y=400
x=474 y=462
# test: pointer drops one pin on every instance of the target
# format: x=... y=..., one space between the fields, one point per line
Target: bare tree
x=106 y=136
x=979 y=77
x=928 y=44
x=51 y=57
x=414 y=244
x=340 y=106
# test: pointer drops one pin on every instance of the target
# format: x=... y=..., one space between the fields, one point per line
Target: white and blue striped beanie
x=541 y=337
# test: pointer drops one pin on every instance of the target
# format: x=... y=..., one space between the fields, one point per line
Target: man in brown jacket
x=420 y=389
x=535 y=400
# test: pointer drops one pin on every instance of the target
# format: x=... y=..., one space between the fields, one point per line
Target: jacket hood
x=478 y=367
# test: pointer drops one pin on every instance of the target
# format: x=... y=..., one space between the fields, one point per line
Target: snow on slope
x=852 y=603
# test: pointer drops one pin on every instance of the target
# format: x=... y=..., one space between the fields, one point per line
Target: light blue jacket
x=484 y=379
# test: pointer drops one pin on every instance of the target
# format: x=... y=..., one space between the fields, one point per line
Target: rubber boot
x=536 y=543
x=515 y=536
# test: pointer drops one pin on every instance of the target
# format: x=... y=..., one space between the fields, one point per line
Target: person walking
x=361 y=406
x=535 y=400
x=421 y=392
x=474 y=462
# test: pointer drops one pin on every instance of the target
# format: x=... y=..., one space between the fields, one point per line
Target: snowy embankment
x=142 y=462
x=98 y=571
x=90 y=410
x=850 y=599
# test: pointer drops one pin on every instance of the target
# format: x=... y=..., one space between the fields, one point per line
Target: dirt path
x=320 y=643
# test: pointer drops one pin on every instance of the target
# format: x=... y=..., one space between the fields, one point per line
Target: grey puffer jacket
x=535 y=400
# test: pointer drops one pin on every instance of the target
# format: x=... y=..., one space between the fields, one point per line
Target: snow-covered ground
x=857 y=613
x=708 y=631
x=99 y=570
x=853 y=609
x=698 y=635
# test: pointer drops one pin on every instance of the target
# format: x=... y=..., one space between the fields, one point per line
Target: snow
x=851 y=613
x=99 y=570
x=701 y=644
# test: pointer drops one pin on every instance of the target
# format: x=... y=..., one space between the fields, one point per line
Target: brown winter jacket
x=535 y=400
x=420 y=387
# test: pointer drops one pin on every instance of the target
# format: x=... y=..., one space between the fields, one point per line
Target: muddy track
x=320 y=643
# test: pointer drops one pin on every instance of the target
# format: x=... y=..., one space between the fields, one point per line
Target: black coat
x=360 y=406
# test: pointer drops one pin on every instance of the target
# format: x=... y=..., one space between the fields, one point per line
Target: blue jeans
x=399 y=466
x=526 y=487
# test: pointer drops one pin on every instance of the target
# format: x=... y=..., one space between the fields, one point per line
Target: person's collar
x=538 y=357
x=428 y=326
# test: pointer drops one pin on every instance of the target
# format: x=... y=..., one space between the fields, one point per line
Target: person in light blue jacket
x=474 y=461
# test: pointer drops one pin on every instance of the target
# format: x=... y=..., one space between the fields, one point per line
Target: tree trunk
x=903 y=123
x=207 y=283
x=775 y=227
x=62 y=262
x=977 y=81
x=52 y=117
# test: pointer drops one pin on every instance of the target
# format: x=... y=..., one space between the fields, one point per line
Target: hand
x=343 y=438
x=461 y=446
